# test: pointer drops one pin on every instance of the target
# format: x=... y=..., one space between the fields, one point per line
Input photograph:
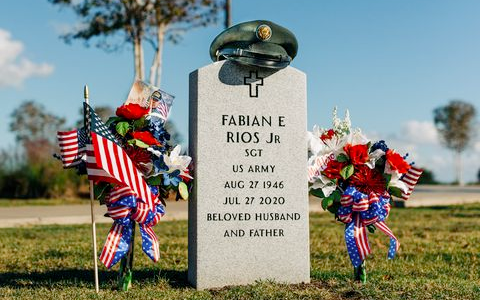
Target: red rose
x=327 y=135
x=140 y=157
x=333 y=169
x=145 y=137
x=358 y=154
x=397 y=162
x=131 y=111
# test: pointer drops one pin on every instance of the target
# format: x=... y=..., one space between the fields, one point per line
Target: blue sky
x=389 y=62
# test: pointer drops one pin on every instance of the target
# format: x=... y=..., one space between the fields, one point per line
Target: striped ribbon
x=125 y=209
x=359 y=210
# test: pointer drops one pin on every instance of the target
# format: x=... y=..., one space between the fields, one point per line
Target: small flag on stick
x=72 y=147
x=411 y=179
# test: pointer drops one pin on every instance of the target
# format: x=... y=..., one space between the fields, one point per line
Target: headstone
x=248 y=215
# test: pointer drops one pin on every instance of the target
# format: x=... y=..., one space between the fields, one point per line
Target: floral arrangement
x=145 y=140
x=139 y=127
x=152 y=169
x=356 y=180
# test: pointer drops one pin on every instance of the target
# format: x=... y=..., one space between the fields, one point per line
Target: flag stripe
x=410 y=179
x=72 y=149
x=106 y=157
x=111 y=244
x=155 y=247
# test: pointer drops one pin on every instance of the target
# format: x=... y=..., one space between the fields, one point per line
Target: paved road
x=72 y=214
x=80 y=214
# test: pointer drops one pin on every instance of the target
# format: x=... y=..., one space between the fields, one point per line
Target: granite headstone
x=248 y=214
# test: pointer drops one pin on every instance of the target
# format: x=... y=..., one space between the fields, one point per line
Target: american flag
x=160 y=109
x=160 y=104
x=106 y=160
x=72 y=147
x=411 y=179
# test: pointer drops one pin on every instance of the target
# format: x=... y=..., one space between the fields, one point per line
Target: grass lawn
x=439 y=259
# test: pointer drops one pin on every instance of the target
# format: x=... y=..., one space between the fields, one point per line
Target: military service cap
x=259 y=43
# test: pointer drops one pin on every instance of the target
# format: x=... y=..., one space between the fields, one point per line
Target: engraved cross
x=253 y=81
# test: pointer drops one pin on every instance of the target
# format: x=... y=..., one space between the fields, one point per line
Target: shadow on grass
x=174 y=278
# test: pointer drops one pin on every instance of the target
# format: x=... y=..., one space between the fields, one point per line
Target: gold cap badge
x=263 y=32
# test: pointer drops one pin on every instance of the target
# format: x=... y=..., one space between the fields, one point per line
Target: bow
x=359 y=210
x=125 y=208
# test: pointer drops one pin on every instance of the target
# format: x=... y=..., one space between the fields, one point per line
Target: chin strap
x=254 y=58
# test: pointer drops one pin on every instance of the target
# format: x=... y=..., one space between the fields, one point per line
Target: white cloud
x=420 y=140
x=15 y=68
x=420 y=132
x=62 y=28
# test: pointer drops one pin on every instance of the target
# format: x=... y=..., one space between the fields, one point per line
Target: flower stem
x=360 y=273
x=125 y=273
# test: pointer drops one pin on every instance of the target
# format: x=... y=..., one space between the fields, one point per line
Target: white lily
x=373 y=157
x=336 y=144
x=325 y=184
x=396 y=182
x=315 y=144
x=357 y=138
x=175 y=161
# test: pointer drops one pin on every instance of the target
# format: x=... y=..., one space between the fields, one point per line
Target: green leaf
x=113 y=120
x=334 y=207
x=347 y=171
x=157 y=180
x=100 y=191
x=183 y=190
x=336 y=196
x=140 y=123
x=342 y=157
x=395 y=191
x=387 y=177
x=327 y=202
x=122 y=128
x=317 y=193
x=138 y=143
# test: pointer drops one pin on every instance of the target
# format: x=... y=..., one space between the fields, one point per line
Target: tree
x=104 y=112
x=427 y=177
x=455 y=122
x=33 y=172
x=36 y=130
x=116 y=23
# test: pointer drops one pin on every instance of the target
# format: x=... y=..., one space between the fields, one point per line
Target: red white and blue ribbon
x=359 y=210
x=125 y=209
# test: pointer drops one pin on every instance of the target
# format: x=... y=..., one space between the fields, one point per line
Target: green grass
x=439 y=259
x=41 y=202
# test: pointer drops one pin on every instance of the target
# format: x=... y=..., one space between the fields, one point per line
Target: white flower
x=357 y=138
x=341 y=127
x=373 y=157
x=396 y=182
x=315 y=144
x=316 y=164
x=336 y=144
x=324 y=183
x=175 y=161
